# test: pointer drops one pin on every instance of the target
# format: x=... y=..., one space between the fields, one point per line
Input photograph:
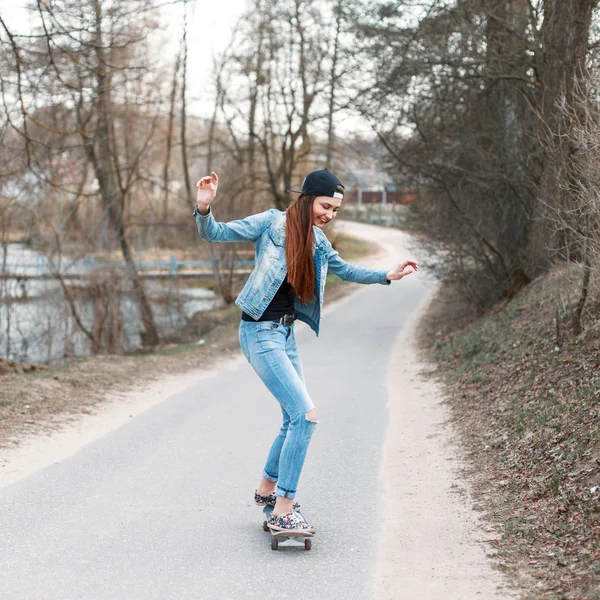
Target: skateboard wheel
x=307 y=544
x=265 y=526
x=274 y=543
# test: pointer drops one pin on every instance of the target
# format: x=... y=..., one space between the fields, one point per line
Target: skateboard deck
x=287 y=539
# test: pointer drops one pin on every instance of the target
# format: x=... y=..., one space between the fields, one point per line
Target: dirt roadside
x=433 y=544
x=523 y=392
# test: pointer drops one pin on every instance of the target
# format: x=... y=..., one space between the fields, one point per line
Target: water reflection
x=37 y=325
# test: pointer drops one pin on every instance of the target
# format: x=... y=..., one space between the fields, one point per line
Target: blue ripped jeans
x=271 y=349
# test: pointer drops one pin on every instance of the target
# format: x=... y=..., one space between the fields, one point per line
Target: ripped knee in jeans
x=311 y=416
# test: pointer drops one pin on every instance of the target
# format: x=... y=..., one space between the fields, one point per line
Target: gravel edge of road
x=437 y=500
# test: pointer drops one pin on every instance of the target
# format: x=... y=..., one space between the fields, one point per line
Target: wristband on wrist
x=197 y=210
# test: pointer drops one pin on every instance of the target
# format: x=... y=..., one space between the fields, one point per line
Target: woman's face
x=325 y=209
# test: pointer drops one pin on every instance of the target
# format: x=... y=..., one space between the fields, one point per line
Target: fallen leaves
x=528 y=412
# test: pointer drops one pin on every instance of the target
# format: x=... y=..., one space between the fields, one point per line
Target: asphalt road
x=162 y=507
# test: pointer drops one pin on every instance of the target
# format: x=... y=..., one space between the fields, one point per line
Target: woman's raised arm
x=243 y=230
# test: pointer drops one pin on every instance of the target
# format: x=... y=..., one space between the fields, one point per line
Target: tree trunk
x=332 y=83
x=170 y=139
x=184 y=160
x=112 y=195
x=254 y=97
x=209 y=166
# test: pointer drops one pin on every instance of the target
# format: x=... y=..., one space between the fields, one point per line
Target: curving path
x=161 y=506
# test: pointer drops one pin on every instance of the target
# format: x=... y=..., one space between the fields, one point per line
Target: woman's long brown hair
x=299 y=247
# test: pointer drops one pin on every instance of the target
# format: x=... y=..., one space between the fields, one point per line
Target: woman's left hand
x=402 y=270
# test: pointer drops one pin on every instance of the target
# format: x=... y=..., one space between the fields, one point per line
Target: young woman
x=293 y=256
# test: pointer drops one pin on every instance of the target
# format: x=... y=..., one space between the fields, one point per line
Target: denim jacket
x=266 y=231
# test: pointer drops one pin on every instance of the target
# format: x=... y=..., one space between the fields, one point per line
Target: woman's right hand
x=207 y=190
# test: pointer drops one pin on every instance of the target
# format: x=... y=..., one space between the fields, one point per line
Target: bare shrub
x=575 y=149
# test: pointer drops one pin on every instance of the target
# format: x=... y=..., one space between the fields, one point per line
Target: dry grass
x=525 y=397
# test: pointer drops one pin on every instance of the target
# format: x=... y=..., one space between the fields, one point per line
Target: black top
x=282 y=304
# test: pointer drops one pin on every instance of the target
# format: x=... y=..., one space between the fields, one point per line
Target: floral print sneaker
x=292 y=522
x=270 y=501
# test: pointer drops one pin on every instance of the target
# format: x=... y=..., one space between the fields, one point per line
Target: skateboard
x=287 y=539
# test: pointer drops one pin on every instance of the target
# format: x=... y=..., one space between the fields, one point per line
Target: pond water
x=37 y=325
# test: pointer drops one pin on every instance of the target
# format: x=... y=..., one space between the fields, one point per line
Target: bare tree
x=279 y=68
x=184 y=157
x=114 y=185
x=564 y=40
x=334 y=81
x=579 y=180
x=81 y=136
x=169 y=137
